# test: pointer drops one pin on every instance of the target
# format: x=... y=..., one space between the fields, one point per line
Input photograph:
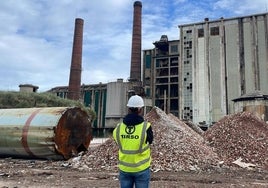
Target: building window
x=189 y=31
x=186 y=62
x=200 y=33
x=148 y=92
x=214 y=31
x=174 y=49
x=148 y=61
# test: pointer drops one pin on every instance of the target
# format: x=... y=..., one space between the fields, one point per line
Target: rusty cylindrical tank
x=50 y=133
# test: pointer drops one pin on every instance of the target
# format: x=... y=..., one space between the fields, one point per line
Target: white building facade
x=221 y=60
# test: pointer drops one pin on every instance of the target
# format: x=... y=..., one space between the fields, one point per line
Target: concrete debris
x=242 y=164
x=177 y=147
x=195 y=127
x=98 y=158
x=242 y=135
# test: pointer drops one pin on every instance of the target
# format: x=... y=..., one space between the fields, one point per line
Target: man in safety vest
x=133 y=136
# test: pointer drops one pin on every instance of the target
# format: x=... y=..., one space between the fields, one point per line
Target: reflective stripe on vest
x=136 y=164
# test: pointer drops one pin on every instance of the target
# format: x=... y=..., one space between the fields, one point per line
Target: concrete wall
x=257 y=107
x=117 y=96
x=224 y=64
x=233 y=61
x=200 y=83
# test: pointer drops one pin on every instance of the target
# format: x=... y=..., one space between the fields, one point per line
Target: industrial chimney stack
x=76 y=64
x=135 y=70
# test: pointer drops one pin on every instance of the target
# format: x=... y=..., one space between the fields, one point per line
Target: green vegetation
x=30 y=100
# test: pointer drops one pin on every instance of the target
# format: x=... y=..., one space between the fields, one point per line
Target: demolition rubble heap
x=176 y=147
x=242 y=136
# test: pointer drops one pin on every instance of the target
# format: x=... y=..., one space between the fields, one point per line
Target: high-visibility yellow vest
x=134 y=152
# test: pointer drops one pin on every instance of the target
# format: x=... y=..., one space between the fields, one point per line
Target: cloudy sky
x=36 y=36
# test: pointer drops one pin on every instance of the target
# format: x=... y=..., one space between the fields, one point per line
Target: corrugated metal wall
x=99 y=104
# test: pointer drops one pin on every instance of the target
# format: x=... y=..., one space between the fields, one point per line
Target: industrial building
x=221 y=60
x=107 y=100
x=93 y=96
x=161 y=78
x=28 y=88
x=196 y=77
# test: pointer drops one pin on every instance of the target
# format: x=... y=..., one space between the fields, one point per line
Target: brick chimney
x=135 y=69
x=76 y=64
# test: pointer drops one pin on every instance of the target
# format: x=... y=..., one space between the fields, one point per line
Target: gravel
x=240 y=136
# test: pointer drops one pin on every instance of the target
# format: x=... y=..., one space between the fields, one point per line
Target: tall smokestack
x=76 y=64
x=135 y=70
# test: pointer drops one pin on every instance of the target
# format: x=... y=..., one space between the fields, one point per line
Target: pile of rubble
x=242 y=136
x=175 y=147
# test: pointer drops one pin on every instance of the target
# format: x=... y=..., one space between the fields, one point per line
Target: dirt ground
x=176 y=146
x=18 y=173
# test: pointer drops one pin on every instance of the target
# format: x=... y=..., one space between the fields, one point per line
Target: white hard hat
x=135 y=101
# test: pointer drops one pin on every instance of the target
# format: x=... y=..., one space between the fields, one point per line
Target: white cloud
x=36 y=36
x=241 y=8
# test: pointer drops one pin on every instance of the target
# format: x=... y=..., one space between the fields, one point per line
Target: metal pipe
x=49 y=133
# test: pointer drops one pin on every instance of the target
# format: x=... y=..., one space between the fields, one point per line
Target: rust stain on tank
x=72 y=136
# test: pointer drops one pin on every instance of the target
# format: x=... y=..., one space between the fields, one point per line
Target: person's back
x=133 y=137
